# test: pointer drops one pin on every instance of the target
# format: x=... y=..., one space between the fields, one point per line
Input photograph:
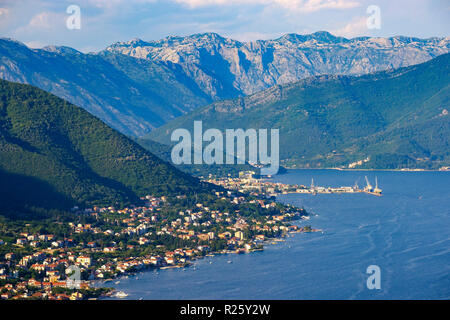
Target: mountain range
x=138 y=85
x=389 y=119
x=225 y=68
x=133 y=101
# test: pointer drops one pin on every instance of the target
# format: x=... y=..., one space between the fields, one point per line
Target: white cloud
x=297 y=5
x=4 y=12
x=41 y=20
x=45 y=22
x=109 y=4
x=354 y=28
x=315 y=5
x=4 y=16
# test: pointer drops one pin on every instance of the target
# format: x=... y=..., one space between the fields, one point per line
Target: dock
x=313 y=189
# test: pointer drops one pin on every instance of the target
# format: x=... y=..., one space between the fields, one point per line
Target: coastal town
x=61 y=259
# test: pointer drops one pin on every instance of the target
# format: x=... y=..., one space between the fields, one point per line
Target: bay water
x=405 y=232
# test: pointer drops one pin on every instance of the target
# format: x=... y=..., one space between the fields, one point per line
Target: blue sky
x=103 y=22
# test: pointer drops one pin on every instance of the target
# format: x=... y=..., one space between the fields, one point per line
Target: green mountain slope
x=163 y=152
x=54 y=155
x=391 y=119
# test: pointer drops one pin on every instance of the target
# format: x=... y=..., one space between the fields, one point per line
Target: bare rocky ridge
x=224 y=67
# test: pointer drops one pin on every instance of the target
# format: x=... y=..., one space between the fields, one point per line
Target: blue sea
x=406 y=233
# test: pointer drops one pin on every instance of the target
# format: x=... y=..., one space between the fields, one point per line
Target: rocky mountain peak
x=61 y=50
x=181 y=73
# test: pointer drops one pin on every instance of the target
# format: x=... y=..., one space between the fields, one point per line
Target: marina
x=247 y=183
x=369 y=189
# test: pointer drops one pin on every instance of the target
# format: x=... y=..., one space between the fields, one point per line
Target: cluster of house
x=53 y=270
x=23 y=290
x=52 y=258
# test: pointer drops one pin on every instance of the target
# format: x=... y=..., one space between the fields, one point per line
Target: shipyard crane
x=356 y=187
x=368 y=186
x=376 y=190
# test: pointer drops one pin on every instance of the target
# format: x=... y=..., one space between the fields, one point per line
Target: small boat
x=121 y=294
x=117 y=282
x=229 y=261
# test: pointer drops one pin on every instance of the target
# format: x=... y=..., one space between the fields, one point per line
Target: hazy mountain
x=135 y=86
x=390 y=119
x=129 y=94
x=54 y=155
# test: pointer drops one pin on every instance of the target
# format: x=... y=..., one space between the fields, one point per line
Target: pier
x=313 y=189
x=258 y=187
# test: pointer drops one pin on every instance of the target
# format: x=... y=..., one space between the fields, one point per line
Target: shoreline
x=388 y=170
x=268 y=241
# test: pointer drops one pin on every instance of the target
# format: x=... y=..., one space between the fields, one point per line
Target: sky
x=100 y=23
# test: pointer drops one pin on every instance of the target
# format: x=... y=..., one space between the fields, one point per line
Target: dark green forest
x=55 y=155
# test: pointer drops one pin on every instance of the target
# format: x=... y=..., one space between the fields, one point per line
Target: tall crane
x=313 y=189
x=368 y=187
x=377 y=190
x=356 y=187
